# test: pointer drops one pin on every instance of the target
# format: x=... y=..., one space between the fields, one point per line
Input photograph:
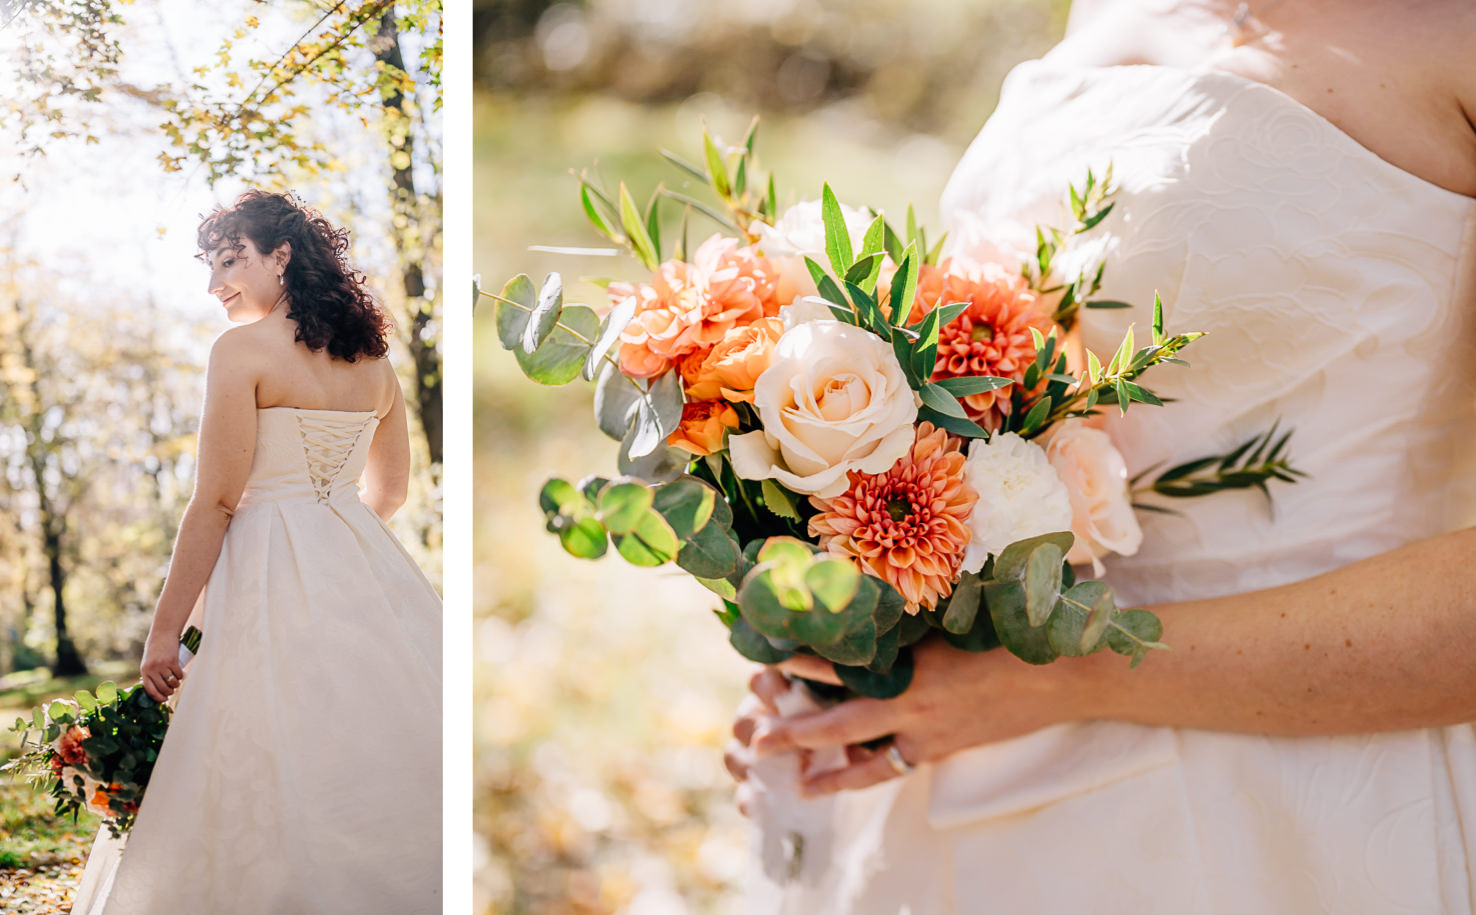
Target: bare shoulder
x=389 y=382
x=1459 y=16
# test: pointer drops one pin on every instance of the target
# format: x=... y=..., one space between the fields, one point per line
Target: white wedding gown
x=302 y=768
x=1338 y=293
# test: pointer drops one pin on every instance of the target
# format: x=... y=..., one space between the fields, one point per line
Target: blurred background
x=122 y=123
x=604 y=693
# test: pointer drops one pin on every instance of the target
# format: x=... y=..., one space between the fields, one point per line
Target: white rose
x=1020 y=496
x=800 y=232
x=1096 y=479
x=832 y=400
x=805 y=309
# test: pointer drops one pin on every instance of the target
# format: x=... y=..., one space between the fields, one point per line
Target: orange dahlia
x=908 y=526
x=991 y=337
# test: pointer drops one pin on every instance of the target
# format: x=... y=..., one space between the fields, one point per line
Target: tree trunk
x=68 y=661
x=404 y=202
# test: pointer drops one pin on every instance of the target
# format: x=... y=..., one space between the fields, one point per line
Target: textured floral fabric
x=302 y=770
x=1337 y=292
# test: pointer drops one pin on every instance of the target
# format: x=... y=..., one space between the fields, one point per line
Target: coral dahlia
x=991 y=337
x=908 y=525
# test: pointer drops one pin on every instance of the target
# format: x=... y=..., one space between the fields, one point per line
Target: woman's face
x=247 y=282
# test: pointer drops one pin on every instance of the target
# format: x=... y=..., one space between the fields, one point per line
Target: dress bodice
x=308 y=455
x=1337 y=291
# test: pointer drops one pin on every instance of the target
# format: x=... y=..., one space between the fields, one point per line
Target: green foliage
x=1254 y=464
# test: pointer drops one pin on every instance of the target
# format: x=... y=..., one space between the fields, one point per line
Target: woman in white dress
x=302 y=768
x=1299 y=181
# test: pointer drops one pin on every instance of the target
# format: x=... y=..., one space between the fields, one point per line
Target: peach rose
x=692 y=306
x=833 y=399
x=1095 y=475
x=69 y=745
x=731 y=368
x=704 y=423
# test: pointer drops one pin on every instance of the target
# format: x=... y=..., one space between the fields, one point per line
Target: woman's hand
x=160 y=670
x=957 y=700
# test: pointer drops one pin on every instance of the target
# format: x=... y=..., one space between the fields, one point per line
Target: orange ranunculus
x=731 y=368
x=991 y=337
x=689 y=307
x=704 y=423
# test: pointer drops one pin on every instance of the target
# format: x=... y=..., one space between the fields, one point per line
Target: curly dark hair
x=325 y=296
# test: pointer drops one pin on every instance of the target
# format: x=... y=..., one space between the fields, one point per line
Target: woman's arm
x=1378 y=645
x=227 y=442
x=387 y=472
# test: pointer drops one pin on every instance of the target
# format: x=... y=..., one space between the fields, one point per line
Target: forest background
x=123 y=122
x=604 y=693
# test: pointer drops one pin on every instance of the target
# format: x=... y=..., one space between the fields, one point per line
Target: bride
x=302 y=768
x=1298 y=180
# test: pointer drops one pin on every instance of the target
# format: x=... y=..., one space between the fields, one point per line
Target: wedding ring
x=899 y=765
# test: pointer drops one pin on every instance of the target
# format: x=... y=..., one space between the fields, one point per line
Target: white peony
x=1095 y=476
x=1020 y=496
x=832 y=400
x=800 y=232
x=805 y=309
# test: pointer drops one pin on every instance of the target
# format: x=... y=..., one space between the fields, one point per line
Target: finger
x=811 y=668
x=747 y=799
x=152 y=688
x=859 y=775
x=767 y=685
x=736 y=760
x=850 y=722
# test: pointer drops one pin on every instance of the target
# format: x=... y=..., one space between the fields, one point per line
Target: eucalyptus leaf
x=1010 y=564
x=650 y=542
x=615 y=400
x=686 y=504
x=583 y=537
x=875 y=685
x=1006 y=602
x=1042 y=582
x=512 y=319
x=610 y=329
x=855 y=648
x=561 y=356
x=658 y=413
x=545 y=314
x=710 y=553
x=963 y=604
x=622 y=506
x=753 y=646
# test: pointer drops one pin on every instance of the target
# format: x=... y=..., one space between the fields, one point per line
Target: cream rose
x=1020 y=496
x=1095 y=475
x=832 y=400
x=800 y=232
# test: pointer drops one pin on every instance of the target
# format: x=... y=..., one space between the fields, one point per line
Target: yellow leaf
x=253 y=21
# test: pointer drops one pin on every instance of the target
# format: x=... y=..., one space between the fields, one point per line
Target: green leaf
x=711 y=553
x=1036 y=416
x=834 y=582
x=657 y=416
x=904 y=286
x=583 y=537
x=651 y=542
x=939 y=399
x=596 y=217
x=868 y=266
x=1133 y=633
x=635 y=230
x=684 y=165
x=719 y=586
x=780 y=501
x=560 y=497
x=1157 y=319
x=856 y=648
x=753 y=646
x=1042 y=582
x=610 y=329
x=1097 y=596
x=686 y=505
x=1006 y=603
x=873 y=685
x=545 y=314
x=1011 y=563
x=837 y=236
x=963 y=605
x=622 y=506
x=964 y=427
x=653 y=220
x=561 y=356
x=716 y=170
x=85 y=700
x=973 y=384
x=892 y=244
x=513 y=319
x=59 y=710
x=616 y=398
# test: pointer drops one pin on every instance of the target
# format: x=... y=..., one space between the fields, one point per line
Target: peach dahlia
x=908 y=525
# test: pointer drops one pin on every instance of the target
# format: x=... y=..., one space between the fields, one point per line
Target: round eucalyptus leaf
x=615 y=400
x=558 y=359
x=833 y=582
x=686 y=504
x=657 y=416
x=710 y=553
x=1006 y=603
x=1042 y=582
x=545 y=314
x=610 y=329
x=622 y=506
x=650 y=543
x=875 y=685
x=1010 y=563
x=513 y=320
x=584 y=538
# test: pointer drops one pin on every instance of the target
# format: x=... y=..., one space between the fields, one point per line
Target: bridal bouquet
x=98 y=749
x=853 y=440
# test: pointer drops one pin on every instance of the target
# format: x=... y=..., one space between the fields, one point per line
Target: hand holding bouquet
x=98 y=749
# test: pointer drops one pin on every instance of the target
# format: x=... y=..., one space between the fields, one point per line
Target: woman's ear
x=282 y=254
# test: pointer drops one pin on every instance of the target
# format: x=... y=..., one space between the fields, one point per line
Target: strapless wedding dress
x=1338 y=293
x=302 y=768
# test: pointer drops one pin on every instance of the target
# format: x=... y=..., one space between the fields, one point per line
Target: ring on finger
x=899 y=764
